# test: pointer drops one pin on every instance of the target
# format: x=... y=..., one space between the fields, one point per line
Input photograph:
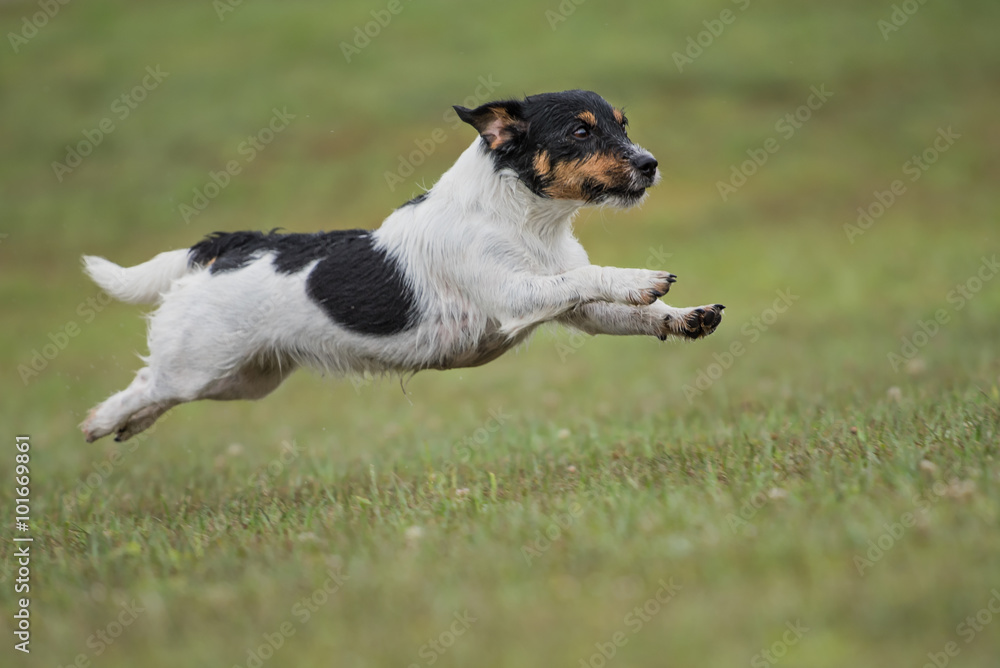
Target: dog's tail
x=142 y=284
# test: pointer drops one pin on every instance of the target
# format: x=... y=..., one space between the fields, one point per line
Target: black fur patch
x=358 y=286
x=416 y=200
x=545 y=124
x=227 y=251
x=363 y=289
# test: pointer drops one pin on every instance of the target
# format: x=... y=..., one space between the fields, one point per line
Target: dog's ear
x=497 y=122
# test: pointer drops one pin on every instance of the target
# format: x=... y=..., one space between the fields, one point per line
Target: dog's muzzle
x=645 y=168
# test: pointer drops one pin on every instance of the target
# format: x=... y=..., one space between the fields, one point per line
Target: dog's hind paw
x=92 y=432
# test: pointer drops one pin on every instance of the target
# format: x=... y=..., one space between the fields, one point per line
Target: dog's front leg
x=600 y=284
x=533 y=299
x=656 y=319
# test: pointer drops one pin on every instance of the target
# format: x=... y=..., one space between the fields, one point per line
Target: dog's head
x=571 y=146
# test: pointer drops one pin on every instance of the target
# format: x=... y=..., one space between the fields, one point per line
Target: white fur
x=141 y=284
x=487 y=260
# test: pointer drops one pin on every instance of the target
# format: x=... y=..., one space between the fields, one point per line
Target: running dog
x=453 y=278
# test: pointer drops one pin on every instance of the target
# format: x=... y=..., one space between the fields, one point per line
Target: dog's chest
x=474 y=304
x=465 y=336
x=488 y=346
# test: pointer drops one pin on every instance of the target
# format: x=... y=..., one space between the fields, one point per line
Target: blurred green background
x=617 y=463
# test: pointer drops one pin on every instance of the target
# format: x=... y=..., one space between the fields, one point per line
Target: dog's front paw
x=702 y=321
x=640 y=287
x=692 y=323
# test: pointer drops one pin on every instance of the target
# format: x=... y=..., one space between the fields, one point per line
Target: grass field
x=815 y=485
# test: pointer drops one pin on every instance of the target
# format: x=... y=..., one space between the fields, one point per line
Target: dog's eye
x=581 y=132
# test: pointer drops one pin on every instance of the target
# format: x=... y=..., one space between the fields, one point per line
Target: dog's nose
x=645 y=164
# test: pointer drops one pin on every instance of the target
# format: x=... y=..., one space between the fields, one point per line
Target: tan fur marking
x=587 y=117
x=502 y=116
x=568 y=179
x=619 y=116
x=542 y=164
x=502 y=122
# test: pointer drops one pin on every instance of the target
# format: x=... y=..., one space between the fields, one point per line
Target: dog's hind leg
x=204 y=343
x=142 y=419
x=132 y=410
x=113 y=412
x=152 y=394
x=253 y=381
